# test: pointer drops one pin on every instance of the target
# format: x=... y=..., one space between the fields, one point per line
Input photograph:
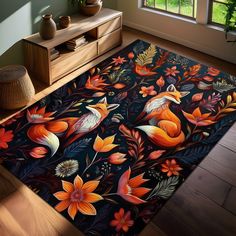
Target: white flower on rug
x=67 y=168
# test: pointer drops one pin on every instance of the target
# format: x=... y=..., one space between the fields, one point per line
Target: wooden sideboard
x=102 y=31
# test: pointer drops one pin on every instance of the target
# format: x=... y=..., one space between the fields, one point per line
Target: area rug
x=109 y=148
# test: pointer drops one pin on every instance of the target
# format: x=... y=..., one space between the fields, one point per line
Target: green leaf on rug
x=165 y=188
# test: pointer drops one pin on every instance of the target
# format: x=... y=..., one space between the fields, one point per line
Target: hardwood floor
x=204 y=205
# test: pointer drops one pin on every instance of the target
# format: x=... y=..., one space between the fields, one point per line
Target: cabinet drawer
x=72 y=60
x=109 y=27
x=106 y=28
x=109 y=41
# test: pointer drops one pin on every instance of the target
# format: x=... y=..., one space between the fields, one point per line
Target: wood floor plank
x=171 y=225
x=25 y=206
x=152 y=230
x=6 y=188
x=224 y=156
x=21 y=213
x=8 y=224
x=201 y=179
x=229 y=139
x=201 y=214
x=230 y=202
x=221 y=164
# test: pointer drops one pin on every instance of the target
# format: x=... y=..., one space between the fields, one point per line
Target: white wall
x=198 y=36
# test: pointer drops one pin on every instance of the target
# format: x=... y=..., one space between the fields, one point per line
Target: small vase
x=64 y=21
x=47 y=27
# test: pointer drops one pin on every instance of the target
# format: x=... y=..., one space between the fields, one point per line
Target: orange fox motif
x=47 y=134
x=89 y=121
x=164 y=127
x=71 y=128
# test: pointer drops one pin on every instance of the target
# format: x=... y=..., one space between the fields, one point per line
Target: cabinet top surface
x=79 y=25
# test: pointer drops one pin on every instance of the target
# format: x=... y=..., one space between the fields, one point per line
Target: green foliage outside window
x=230 y=18
x=181 y=7
x=222 y=12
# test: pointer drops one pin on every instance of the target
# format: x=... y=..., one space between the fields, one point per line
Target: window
x=186 y=8
x=217 y=11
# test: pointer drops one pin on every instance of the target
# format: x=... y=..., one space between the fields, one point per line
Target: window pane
x=173 y=6
x=180 y=7
x=218 y=13
x=186 y=7
x=161 y=4
x=150 y=3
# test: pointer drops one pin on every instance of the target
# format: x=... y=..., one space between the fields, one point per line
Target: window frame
x=171 y=13
x=210 y=13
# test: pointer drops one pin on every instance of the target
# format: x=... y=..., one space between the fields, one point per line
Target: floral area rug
x=109 y=148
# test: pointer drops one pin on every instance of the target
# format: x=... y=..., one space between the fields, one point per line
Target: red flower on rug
x=95 y=83
x=171 y=167
x=213 y=71
x=122 y=220
x=131 y=55
x=5 y=137
x=38 y=152
x=199 y=119
x=119 y=60
x=193 y=70
x=172 y=71
x=130 y=189
x=146 y=91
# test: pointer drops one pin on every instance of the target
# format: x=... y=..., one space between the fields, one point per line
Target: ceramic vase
x=64 y=21
x=47 y=27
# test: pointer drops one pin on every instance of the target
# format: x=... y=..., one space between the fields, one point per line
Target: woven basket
x=16 y=88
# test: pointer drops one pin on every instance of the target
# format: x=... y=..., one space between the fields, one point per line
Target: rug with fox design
x=109 y=148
